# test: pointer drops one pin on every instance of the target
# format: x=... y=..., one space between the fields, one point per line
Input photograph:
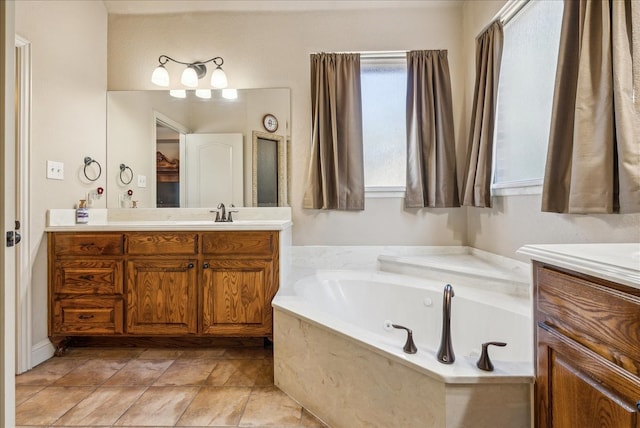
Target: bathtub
x=335 y=353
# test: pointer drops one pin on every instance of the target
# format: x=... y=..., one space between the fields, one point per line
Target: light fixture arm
x=218 y=61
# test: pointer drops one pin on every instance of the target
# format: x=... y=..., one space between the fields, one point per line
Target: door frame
x=24 y=346
x=7 y=213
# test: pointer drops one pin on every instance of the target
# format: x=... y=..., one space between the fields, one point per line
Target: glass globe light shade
x=203 y=93
x=218 y=78
x=229 y=94
x=189 y=77
x=160 y=76
x=178 y=93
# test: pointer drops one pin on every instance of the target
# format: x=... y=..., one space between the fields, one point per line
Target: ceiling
x=132 y=7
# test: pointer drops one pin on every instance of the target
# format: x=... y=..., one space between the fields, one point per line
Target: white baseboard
x=41 y=352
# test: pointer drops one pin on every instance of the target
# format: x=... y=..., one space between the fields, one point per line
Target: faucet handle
x=409 y=347
x=484 y=363
x=217 y=215
x=229 y=218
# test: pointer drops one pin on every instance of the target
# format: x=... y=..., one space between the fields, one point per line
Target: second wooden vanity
x=160 y=283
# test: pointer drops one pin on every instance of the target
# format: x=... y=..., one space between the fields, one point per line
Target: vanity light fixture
x=191 y=74
x=229 y=94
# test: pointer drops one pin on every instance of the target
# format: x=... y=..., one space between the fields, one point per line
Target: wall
x=272 y=50
x=515 y=221
x=69 y=81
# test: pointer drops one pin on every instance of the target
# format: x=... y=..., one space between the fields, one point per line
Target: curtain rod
x=506 y=13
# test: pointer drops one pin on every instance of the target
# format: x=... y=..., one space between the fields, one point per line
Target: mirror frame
x=282 y=167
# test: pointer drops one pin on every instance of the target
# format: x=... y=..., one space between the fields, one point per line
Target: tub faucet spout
x=445 y=353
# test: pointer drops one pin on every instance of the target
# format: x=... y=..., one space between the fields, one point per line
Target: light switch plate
x=142 y=181
x=55 y=170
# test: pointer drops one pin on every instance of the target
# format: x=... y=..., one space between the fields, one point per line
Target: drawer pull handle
x=205 y=266
x=190 y=265
x=86 y=277
x=85 y=317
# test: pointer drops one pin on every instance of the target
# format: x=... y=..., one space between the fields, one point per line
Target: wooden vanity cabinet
x=239 y=280
x=168 y=284
x=588 y=351
x=162 y=283
x=86 y=283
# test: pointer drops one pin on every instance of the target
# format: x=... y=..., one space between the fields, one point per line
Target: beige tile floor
x=132 y=387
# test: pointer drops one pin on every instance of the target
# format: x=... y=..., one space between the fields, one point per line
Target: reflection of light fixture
x=178 y=93
x=203 y=93
x=190 y=76
x=229 y=93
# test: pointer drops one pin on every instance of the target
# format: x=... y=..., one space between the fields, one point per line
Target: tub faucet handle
x=409 y=347
x=484 y=363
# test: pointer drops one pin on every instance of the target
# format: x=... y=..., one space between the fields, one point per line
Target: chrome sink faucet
x=445 y=353
x=223 y=216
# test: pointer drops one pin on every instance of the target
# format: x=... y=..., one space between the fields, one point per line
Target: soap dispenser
x=82 y=213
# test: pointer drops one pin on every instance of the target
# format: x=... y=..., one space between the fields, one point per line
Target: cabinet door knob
x=638 y=405
x=190 y=265
x=206 y=265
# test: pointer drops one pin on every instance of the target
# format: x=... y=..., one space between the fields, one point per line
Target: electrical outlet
x=55 y=170
x=142 y=181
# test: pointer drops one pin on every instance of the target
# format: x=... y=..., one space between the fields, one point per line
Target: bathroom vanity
x=587 y=312
x=171 y=279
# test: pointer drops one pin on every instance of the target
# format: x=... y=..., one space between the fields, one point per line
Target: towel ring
x=123 y=168
x=87 y=162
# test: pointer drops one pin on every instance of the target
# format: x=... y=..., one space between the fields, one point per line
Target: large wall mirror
x=194 y=152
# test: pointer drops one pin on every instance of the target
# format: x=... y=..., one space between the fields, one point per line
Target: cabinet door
x=161 y=297
x=578 y=388
x=237 y=296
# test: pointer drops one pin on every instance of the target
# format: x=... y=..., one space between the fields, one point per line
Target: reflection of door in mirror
x=269 y=170
x=167 y=166
x=214 y=170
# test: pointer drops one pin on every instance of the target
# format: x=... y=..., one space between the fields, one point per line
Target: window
x=525 y=95
x=384 y=92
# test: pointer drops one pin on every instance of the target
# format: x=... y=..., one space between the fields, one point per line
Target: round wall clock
x=270 y=122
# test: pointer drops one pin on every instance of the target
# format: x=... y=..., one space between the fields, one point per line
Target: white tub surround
x=334 y=355
x=176 y=219
x=613 y=262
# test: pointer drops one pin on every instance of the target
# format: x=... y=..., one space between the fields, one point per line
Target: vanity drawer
x=261 y=244
x=88 y=244
x=159 y=243
x=599 y=317
x=88 y=277
x=90 y=315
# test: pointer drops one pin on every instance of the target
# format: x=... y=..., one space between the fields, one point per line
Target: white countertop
x=168 y=219
x=614 y=262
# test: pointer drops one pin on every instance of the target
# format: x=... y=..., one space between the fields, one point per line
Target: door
x=233 y=295
x=575 y=387
x=161 y=297
x=214 y=170
x=7 y=212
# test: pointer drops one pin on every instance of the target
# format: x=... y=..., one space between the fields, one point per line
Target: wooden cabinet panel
x=88 y=277
x=603 y=319
x=588 y=351
x=88 y=244
x=159 y=243
x=237 y=296
x=161 y=297
x=88 y=315
x=578 y=388
x=254 y=244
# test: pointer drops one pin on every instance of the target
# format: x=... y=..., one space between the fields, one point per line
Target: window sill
x=517 y=188
x=375 y=192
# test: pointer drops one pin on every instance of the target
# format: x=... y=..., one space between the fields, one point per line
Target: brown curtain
x=593 y=160
x=336 y=168
x=477 y=182
x=431 y=155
